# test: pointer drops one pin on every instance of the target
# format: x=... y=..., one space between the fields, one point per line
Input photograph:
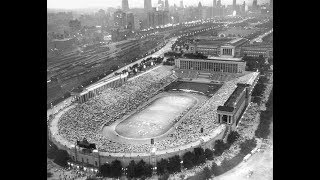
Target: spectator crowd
x=87 y=119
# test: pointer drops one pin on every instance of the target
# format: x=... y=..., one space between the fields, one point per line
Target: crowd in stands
x=87 y=119
x=186 y=74
x=222 y=77
x=218 y=77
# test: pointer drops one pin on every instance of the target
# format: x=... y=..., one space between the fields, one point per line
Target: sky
x=75 y=4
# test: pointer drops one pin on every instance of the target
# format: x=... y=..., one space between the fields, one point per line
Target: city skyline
x=80 y=4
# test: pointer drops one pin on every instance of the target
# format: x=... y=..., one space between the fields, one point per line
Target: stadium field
x=157 y=118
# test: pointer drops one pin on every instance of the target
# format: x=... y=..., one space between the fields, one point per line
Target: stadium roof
x=219 y=58
x=225 y=108
x=232 y=101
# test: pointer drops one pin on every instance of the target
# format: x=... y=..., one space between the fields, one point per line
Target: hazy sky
x=73 y=4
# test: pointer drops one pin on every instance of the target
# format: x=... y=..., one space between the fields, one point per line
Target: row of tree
x=263 y=129
x=58 y=156
x=256 y=63
x=259 y=89
x=220 y=146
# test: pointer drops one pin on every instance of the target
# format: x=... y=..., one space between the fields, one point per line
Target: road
x=259 y=38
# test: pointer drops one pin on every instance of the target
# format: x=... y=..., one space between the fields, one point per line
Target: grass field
x=157 y=118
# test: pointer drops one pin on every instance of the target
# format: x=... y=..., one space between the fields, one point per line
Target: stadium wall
x=125 y=158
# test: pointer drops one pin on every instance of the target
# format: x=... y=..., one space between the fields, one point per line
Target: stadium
x=156 y=114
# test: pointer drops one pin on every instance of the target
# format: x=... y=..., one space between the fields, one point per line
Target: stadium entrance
x=224 y=119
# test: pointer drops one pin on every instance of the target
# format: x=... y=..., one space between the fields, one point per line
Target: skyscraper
x=166 y=5
x=181 y=4
x=120 y=19
x=125 y=5
x=271 y=4
x=130 y=21
x=219 y=3
x=214 y=8
x=234 y=5
x=244 y=6
x=160 y=5
x=254 y=3
x=147 y=5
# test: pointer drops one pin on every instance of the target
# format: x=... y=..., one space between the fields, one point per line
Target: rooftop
x=219 y=58
x=225 y=108
x=234 y=96
x=257 y=46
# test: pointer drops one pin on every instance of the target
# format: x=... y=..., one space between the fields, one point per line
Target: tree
x=164 y=177
x=208 y=154
x=105 y=170
x=62 y=158
x=148 y=170
x=219 y=147
x=215 y=169
x=162 y=166
x=188 y=159
x=232 y=137
x=51 y=150
x=258 y=89
x=206 y=173
x=49 y=174
x=174 y=164
x=199 y=156
x=116 y=169
x=140 y=167
x=247 y=146
x=131 y=169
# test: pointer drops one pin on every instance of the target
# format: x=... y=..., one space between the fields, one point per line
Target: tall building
x=254 y=4
x=234 y=5
x=120 y=19
x=200 y=10
x=214 y=10
x=219 y=3
x=166 y=5
x=157 y=18
x=160 y=5
x=243 y=9
x=147 y=5
x=271 y=4
x=125 y=5
x=181 y=4
x=130 y=21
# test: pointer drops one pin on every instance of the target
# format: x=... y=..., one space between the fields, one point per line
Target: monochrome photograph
x=159 y=89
